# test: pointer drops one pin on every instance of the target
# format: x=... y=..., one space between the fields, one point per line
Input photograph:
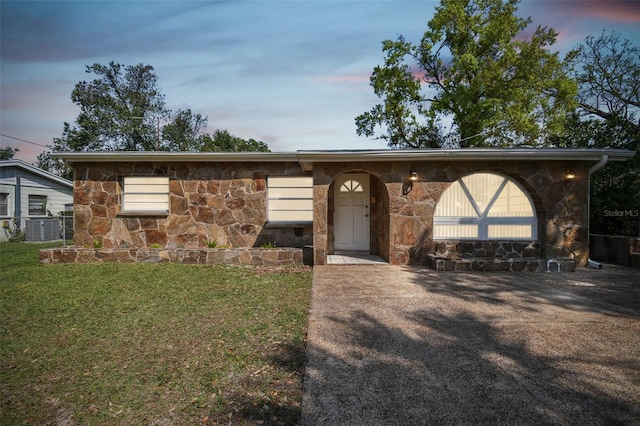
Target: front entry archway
x=352 y=211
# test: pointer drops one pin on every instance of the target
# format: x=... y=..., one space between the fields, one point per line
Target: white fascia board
x=464 y=154
x=181 y=157
x=308 y=158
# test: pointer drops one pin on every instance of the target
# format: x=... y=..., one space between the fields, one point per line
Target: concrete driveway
x=408 y=346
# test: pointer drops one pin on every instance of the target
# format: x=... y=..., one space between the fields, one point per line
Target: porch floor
x=355 y=259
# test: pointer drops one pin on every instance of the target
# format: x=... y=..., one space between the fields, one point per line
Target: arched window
x=485 y=206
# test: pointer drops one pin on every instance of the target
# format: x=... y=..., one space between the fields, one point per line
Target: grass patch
x=149 y=343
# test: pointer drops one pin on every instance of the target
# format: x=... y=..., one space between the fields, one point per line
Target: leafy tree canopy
x=186 y=133
x=118 y=110
x=475 y=67
x=123 y=109
x=222 y=140
x=7 y=153
x=607 y=69
x=608 y=72
x=616 y=187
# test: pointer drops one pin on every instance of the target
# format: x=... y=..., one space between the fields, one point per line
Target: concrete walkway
x=355 y=259
x=408 y=346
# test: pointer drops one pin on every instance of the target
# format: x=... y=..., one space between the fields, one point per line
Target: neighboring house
x=407 y=206
x=29 y=193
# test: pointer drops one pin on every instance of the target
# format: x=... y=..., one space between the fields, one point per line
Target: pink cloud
x=618 y=11
x=612 y=10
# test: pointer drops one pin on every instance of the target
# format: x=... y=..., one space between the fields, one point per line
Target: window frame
x=483 y=221
x=4 y=204
x=276 y=184
x=42 y=205
x=137 y=181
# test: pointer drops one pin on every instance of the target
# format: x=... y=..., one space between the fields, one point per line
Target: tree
x=616 y=187
x=608 y=73
x=7 y=153
x=119 y=110
x=122 y=110
x=185 y=132
x=222 y=140
x=607 y=69
x=55 y=166
x=474 y=67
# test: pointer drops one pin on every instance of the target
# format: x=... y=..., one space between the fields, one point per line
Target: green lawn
x=149 y=343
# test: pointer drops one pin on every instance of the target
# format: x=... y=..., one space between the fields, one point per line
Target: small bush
x=210 y=243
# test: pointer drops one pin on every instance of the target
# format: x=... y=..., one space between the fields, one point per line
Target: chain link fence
x=37 y=229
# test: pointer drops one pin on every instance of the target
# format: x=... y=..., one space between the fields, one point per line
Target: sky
x=293 y=74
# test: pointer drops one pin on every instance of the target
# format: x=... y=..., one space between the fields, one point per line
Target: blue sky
x=293 y=74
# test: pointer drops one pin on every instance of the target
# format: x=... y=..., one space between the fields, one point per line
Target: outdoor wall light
x=407 y=184
x=570 y=174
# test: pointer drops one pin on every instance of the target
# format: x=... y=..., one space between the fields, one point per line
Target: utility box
x=42 y=230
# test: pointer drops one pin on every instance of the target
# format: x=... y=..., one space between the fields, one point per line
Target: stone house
x=445 y=208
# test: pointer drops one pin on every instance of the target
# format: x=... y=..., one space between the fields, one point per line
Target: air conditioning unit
x=42 y=230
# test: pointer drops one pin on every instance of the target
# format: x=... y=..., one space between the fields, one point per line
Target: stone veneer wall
x=561 y=205
x=247 y=256
x=222 y=201
x=487 y=249
x=512 y=256
x=227 y=202
x=502 y=265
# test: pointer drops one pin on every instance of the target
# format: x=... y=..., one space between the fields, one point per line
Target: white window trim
x=298 y=191
x=158 y=198
x=482 y=221
x=5 y=204
x=43 y=203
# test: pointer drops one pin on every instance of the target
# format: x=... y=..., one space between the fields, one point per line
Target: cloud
x=557 y=11
x=612 y=10
x=575 y=20
x=61 y=31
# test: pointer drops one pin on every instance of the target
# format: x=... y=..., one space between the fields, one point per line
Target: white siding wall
x=57 y=195
x=30 y=184
x=8 y=189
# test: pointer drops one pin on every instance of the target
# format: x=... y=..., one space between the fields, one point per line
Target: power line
x=23 y=140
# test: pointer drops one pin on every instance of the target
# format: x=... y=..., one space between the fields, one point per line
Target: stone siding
x=502 y=265
x=487 y=249
x=226 y=202
x=247 y=256
x=407 y=222
x=512 y=256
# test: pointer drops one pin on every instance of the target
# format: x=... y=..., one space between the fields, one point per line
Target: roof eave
x=36 y=170
x=308 y=158
x=128 y=157
x=557 y=154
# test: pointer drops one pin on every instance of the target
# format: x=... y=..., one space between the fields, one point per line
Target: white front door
x=351 y=215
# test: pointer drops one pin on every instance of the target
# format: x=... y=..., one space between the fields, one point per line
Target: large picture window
x=290 y=199
x=485 y=206
x=145 y=194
